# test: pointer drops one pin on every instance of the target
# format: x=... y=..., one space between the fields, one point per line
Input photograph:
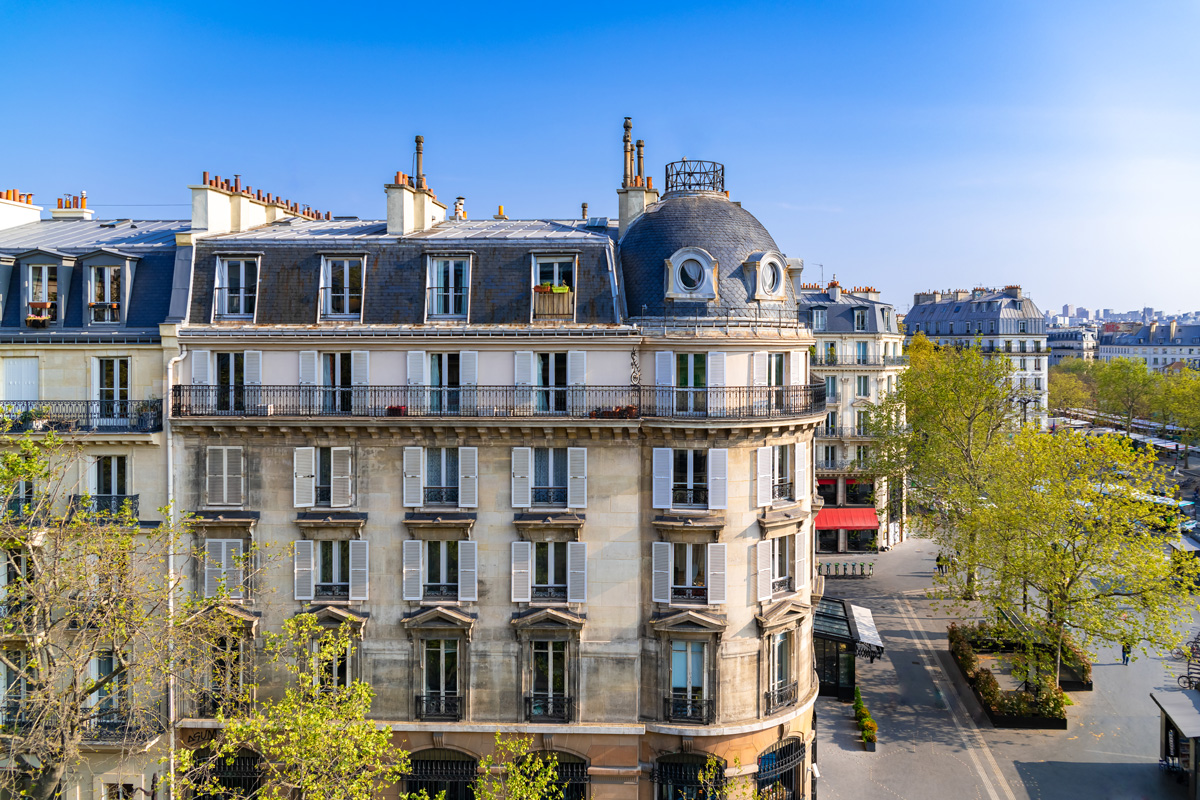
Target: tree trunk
x=46 y=784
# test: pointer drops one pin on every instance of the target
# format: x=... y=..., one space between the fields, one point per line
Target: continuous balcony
x=856 y=360
x=840 y=465
x=842 y=432
x=108 y=505
x=495 y=402
x=84 y=416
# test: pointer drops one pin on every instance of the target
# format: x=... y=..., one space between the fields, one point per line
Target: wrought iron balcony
x=784 y=584
x=441 y=495
x=549 y=592
x=688 y=709
x=689 y=496
x=783 y=490
x=577 y=402
x=782 y=697
x=91 y=416
x=331 y=591
x=842 y=432
x=208 y=703
x=444 y=707
x=549 y=495
x=110 y=505
x=440 y=591
x=689 y=594
x=543 y=707
x=839 y=465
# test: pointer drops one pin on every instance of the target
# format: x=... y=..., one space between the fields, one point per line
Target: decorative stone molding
x=549 y=526
x=331 y=524
x=440 y=526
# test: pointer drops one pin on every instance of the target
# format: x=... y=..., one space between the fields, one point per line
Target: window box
x=397 y=411
x=543 y=289
x=36 y=322
x=40 y=304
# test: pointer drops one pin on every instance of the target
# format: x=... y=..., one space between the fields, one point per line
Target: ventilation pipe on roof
x=73 y=207
x=411 y=207
x=584 y=215
x=636 y=190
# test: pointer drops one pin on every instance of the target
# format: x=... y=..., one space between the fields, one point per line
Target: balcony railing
x=105 y=504
x=689 y=496
x=541 y=707
x=855 y=360
x=112 y=726
x=441 y=495
x=100 y=416
x=580 y=402
x=784 y=584
x=688 y=709
x=331 y=591
x=549 y=592
x=689 y=594
x=208 y=703
x=554 y=306
x=782 y=697
x=440 y=591
x=783 y=490
x=841 y=432
x=549 y=495
x=444 y=707
x=840 y=465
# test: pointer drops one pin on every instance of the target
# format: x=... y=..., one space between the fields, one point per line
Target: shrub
x=989 y=689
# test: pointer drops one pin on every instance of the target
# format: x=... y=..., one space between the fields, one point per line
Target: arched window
x=687 y=776
x=437 y=771
x=572 y=774
x=781 y=771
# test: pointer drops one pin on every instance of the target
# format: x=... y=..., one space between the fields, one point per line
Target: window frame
x=818 y=319
x=689 y=484
x=54 y=312
x=860 y=320
x=221 y=299
x=552 y=589
x=689 y=646
x=102 y=276
x=434 y=289
x=339 y=570
x=552 y=492
x=447 y=561
x=342 y=263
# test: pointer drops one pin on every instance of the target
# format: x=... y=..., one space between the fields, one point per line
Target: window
x=234 y=372
x=860 y=319
x=782 y=563
x=689 y=478
x=342 y=287
x=887 y=318
x=862 y=455
x=831 y=423
x=781 y=772
x=550 y=378
x=110 y=483
x=830 y=387
x=1037 y=384
x=15 y=685
x=1022 y=345
x=441 y=571
x=691 y=381
x=556 y=271
x=1023 y=363
x=108 y=699
x=333 y=570
x=978 y=326
x=780 y=683
x=330 y=668
x=685 y=776
x=550 y=570
x=860 y=352
x=782 y=487
x=950 y=328
x=225 y=680
x=689 y=699
x=549 y=476
x=322 y=477
x=441 y=476
x=549 y=699
x=861 y=422
x=1008 y=346
x=891 y=383
x=223 y=567
x=862 y=386
x=448 y=287
x=111 y=387
x=441 y=699
x=325 y=475
x=991 y=326
x=1022 y=325
x=106 y=294
x=43 y=293
x=237 y=285
x=119 y=791
x=817 y=315
x=688 y=573
x=859 y=493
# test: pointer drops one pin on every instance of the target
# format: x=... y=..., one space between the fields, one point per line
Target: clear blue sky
x=911 y=145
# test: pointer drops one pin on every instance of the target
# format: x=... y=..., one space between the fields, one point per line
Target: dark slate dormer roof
x=978 y=306
x=1184 y=335
x=839 y=314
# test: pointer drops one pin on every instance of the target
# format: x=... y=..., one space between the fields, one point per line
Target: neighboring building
x=1003 y=323
x=1157 y=345
x=557 y=473
x=858 y=354
x=1071 y=343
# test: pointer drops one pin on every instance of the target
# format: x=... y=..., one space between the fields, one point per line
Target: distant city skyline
x=916 y=147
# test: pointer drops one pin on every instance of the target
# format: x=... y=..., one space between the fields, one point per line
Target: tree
x=89 y=625
x=1123 y=388
x=512 y=772
x=1184 y=392
x=313 y=737
x=1070 y=516
x=1072 y=386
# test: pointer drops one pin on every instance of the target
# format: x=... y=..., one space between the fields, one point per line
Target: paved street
x=935 y=741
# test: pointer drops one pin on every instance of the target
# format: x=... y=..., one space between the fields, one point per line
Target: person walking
x=1125 y=651
x=941 y=564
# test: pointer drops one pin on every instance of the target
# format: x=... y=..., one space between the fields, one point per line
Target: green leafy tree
x=1072 y=386
x=513 y=772
x=1124 y=388
x=1183 y=390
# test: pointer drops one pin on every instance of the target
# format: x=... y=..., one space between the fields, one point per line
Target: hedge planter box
x=1068 y=676
x=1007 y=721
x=870 y=746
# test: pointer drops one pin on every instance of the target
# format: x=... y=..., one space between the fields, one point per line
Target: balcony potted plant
x=35 y=321
x=42 y=304
x=544 y=288
x=397 y=411
x=560 y=289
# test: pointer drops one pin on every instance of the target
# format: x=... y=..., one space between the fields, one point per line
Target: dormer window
x=691 y=275
x=341 y=288
x=449 y=279
x=106 y=294
x=554 y=288
x=43 y=292
x=237 y=285
x=860 y=319
x=818 y=319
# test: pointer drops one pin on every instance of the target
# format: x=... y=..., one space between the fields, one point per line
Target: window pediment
x=248 y=619
x=787 y=613
x=689 y=621
x=230 y=524
x=439 y=620
x=545 y=527
x=336 y=615
x=782 y=522
x=549 y=620
x=689 y=527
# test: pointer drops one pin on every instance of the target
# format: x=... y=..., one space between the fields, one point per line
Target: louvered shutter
x=523 y=378
x=660 y=578
x=201 y=368
x=341 y=467
x=801 y=561
x=304 y=481
x=214 y=566
x=664 y=379
x=360 y=368
x=360 y=569
x=759 y=369
x=413 y=467
x=763 y=472
x=796 y=368
x=576 y=572
x=662 y=478
x=308 y=367
x=216 y=476
x=468 y=571
x=417 y=363
x=411 y=579
x=576 y=477
x=304 y=569
x=800 y=470
x=522 y=477
x=715 y=377
x=468 y=477
x=718 y=478
x=233 y=568
x=522 y=572
x=763 y=581
x=234 y=494
x=716 y=574
x=468 y=378
x=576 y=379
x=252 y=367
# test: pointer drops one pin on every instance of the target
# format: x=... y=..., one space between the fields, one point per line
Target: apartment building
x=1158 y=345
x=1076 y=342
x=858 y=355
x=557 y=473
x=1004 y=323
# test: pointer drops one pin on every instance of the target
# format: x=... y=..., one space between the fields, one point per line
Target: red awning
x=854 y=519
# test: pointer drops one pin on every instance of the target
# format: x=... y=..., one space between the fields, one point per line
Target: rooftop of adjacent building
x=979 y=303
x=839 y=304
x=1153 y=335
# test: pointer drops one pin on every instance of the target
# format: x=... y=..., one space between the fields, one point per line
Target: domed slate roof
x=696 y=219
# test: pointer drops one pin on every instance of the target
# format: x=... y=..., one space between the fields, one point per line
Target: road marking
x=972 y=739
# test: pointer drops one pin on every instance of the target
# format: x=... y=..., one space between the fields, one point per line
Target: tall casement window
x=448 y=284
x=440 y=570
x=332 y=569
x=550 y=380
x=861 y=422
x=861 y=353
x=441 y=476
x=322 y=477
x=817 y=317
x=685 y=478
x=237 y=287
x=689 y=700
x=441 y=700
x=111 y=388
x=110 y=485
x=445 y=380
x=774 y=474
x=223 y=561
x=691 y=380
x=1022 y=326
x=223 y=476
x=43 y=292
x=105 y=304
x=688 y=573
x=549 y=476
x=13 y=681
x=550 y=570
x=328 y=668
x=554 y=572
x=549 y=700
x=831 y=388
x=862 y=385
x=781 y=681
x=831 y=423
x=342 y=288
x=110 y=698
x=860 y=319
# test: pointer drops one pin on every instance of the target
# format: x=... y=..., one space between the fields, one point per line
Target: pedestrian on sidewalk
x=1125 y=651
x=941 y=564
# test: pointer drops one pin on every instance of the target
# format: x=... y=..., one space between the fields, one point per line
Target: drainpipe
x=174 y=519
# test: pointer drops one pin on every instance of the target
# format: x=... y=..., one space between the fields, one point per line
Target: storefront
x=842 y=632
x=1179 y=728
x=842 y=530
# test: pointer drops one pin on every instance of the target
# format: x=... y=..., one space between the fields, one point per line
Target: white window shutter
x=522 y=477
x=360 y=569
x=800 y=470
x=201 y=368
x=413 y=467
x=417 y=368
x=214 y=566
x=468 y=477
x=660 y=579
x=522 y=572
x=523 y=367
x=233 y=568
x=216 y=476
x=664 y=379
x=308 y=368
x=716 y=574
x=718 y=478
x=662 y=478
x=763 y=581
x=576 y=477
x=759 y=371
x=796 y=368
x=304 y=480
x=801 y=543
x=576 y=367
x=234 y=494
x=468 y=571
x=360 y=368
x=763 y=473
x=576 y=572
x=716 y=371
x=468 y=368
x=304 y=569
x=341 y=468
x=411 y=579
x=252 y=367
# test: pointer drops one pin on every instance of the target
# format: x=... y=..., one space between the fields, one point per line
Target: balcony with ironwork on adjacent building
x=439 y=707
x=83 y=416
x=780 y=697
x=545 y=707
x=693 y=710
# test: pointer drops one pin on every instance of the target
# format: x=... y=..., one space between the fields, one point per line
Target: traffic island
x=1043 y=708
